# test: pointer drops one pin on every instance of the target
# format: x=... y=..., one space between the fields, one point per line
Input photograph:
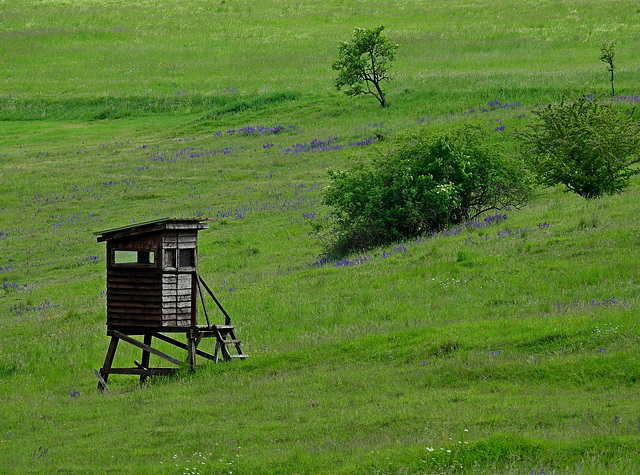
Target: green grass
x=502 y=349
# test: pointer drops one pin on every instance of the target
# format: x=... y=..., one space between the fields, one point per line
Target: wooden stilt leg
x=145 y=357
x=191 y=338
x=111 y=352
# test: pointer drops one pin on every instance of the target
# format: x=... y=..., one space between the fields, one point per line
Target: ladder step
x=223 y=329
x=221 y=333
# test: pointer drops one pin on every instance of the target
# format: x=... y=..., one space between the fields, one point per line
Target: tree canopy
x=363 y=63
x=588 y=145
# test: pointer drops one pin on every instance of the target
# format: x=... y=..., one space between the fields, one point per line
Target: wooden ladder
x=225 y=334
x=226 y=339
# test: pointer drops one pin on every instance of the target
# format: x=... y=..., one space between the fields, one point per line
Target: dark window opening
x=144 y=257
x=187 y=258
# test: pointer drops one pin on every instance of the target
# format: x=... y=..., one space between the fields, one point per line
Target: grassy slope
x=110 y=117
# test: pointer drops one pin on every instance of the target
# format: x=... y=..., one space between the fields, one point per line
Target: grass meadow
x=509 y=345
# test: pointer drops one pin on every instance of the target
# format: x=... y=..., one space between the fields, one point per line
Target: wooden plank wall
x=178 y=284
x=134 y=297
x=157 y=296
x=176 y=299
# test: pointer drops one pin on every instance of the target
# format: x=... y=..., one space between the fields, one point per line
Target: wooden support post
x=145 y=357
x=191 y=338
x=108 y=360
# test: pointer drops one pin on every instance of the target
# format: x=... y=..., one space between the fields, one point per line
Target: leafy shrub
x=424 y=185
x=585 y=144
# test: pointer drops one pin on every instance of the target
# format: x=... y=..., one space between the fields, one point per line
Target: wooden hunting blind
x=153 y=287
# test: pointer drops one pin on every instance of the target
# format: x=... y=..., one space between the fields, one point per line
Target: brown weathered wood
x=145 y=356
x=142 y=330
x=220 y=344
x=108 y=360
x=135 y=288
x=191 y=225
x=168 y=339
x=191 y=350
x=132 y=283
x=147 y=279
x=133 y=305
x=102 y=384
x=230 y=342
x=145 y=372
x=152 y=286
x=179 y=344
x=151 y=350
x=128 y=322
x=138 y=312
x=227 y=319
x=114 y=324
x=204 y=306
x=140 y=309
x=135 y=293
x=208 y=332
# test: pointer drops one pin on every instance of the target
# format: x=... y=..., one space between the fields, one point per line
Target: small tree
x=607 y=52
x=363 y=63
x=426 y=184
x=585 y=144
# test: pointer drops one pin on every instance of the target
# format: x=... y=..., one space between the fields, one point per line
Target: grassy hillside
x=502 y=348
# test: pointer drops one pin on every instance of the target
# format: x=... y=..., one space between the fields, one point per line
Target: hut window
x=133 y=257
x=170 y=258
x=187 y=258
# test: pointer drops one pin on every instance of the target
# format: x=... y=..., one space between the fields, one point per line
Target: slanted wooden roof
x=151 y=227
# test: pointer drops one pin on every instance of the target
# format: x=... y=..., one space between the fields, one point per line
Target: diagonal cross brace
x=148 y=348
x=179 y=344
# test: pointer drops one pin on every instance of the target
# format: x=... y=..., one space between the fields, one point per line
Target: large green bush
x=423 y=185
x=590 y=146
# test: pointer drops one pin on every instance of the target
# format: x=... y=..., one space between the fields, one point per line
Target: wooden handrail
x=227 y=319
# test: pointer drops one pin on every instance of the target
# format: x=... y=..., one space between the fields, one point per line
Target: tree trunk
x=380 y=96
x=613 y=92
